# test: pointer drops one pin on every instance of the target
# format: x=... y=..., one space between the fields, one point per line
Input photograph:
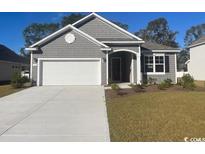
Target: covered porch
x=123 y=66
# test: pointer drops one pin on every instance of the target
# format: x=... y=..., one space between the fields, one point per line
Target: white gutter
x=31 y=49
x=122 y=42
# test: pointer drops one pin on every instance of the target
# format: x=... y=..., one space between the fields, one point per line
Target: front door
x=116 y=69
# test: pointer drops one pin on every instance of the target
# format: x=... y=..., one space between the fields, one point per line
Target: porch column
x=107 y=71
x=138 y=55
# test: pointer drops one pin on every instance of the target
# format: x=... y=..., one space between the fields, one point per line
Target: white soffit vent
x=69 y=38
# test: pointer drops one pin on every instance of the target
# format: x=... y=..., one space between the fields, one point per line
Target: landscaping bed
x=8 y=89
x=110 y=94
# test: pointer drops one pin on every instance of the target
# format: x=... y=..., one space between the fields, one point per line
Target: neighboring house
x=197 y=59
x=94 y=51
x=10 y=62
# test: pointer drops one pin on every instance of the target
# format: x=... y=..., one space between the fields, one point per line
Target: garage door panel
x=71 y=72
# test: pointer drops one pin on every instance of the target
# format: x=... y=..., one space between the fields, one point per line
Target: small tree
x=16 y=80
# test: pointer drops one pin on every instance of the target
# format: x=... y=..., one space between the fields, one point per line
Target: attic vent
x=69 y=38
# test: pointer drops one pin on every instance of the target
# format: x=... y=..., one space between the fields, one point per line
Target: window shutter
x=142 y=63
x=167 y=64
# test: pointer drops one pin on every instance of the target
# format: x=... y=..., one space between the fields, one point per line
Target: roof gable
x=99 y=27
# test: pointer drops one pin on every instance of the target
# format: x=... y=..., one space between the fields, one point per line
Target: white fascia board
x=56 y=59
x=50 y=36
x=106 y=49
x=167 y=51
x=66 y=28
x=191 y=46
x=108 y=22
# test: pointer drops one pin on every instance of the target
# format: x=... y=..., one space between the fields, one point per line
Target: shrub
x=152 y=81
x=167 y=83
x=16 y=80
x=162 y=85
x=25 y=79
x=115 y=87
x=138 y=88
x=187 y=82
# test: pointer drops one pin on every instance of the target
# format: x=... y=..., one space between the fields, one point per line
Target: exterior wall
x=99 y=29
x=7 y=69
x=168 y=75
x=80 y=48
x=197 y=62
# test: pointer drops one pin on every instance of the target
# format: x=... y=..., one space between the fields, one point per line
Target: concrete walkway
x=54 y=113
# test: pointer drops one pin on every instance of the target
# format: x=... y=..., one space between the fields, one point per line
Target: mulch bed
x=110 y=94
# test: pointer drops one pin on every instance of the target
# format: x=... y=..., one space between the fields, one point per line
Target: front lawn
x=200 y=83
x=7 y=89
x=157 y=116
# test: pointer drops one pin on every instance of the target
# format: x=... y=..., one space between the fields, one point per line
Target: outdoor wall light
x=35 y=60
x=103 y=60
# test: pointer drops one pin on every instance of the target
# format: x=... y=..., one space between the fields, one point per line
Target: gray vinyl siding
x=80 y=48
x=169 y=75
x=99 y=29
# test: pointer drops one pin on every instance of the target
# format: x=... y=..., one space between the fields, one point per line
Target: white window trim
x=56 y=59
x=154 y=66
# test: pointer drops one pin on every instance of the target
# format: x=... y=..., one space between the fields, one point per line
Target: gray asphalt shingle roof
x=198 y=41
x=7 y=54
x=155 y=46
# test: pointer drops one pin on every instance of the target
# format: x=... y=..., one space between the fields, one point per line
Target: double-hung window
x=149 y=63
x=159 y=64
x=154 y=64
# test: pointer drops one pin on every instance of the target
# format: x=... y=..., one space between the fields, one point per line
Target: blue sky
x=13 y=24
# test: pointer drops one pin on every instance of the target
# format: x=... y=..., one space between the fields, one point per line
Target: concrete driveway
x=54 y=113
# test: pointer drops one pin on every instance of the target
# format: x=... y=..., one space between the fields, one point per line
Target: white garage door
x=71 y=72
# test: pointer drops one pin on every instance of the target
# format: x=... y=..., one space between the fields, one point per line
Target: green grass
x=157 y=116
x=7 y=89
x=200 y=83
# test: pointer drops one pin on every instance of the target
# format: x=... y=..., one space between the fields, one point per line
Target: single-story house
x=10 y=62
x=197 y=59
x=94 y=51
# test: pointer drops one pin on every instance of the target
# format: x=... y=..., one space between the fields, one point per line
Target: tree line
x=157 y=30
